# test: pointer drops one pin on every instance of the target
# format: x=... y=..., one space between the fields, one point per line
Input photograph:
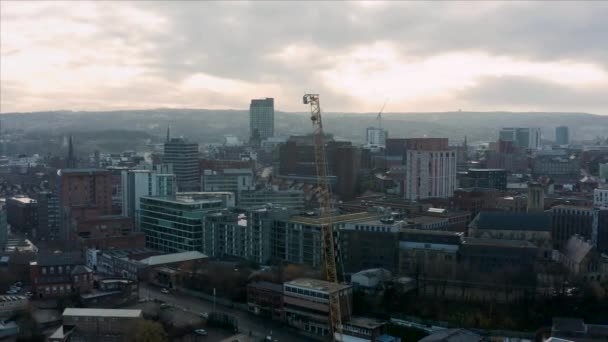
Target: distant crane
x=379 y=116
x=327 y=233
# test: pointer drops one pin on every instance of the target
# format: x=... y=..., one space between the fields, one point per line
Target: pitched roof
x=502 y=220
x=453 y=335
x=81 y=269
x=90 y=312
x=576 y=249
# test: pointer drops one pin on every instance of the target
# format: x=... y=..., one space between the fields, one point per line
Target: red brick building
x=266 y=299
x=59 y=275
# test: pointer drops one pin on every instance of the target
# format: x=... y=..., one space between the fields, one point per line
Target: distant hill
x=207 y=126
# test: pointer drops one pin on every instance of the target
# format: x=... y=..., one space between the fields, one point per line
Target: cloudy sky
x=422 y=56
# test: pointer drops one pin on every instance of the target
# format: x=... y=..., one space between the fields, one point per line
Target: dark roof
x=58 y=259
x=267 y=286
x=453 y=335
x=81 y=269
x=570 y=325
x=502 y=220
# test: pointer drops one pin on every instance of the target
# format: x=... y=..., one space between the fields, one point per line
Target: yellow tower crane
x=327 y=233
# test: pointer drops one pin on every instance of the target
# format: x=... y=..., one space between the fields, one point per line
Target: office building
x=430 y=173
x=225 y=235
x=49 y=223
x=370 y=244
x=527 y=138
x=229 y=180
x=261 y=118
x=22 y=215
x=493 y=256
x=306 y=304
x=603 y=172
x=297 y=239
x=3 y=227
x=600 y=197
x=485 y=178
x=556 y=167
x=97 y=325
x=293 y=199
x=429 y=253
x=571 y=220
x=139 y=183
x=175 y=224
x=183 y=155
x=376 y=137
x=562 y=135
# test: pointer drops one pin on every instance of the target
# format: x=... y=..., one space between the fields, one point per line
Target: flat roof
x=497 y=242
x=24 y=200
x=90 y=312
x=11 y=298
x=171 y=258
x=365 y=322
x=319 y=285
x=333 y=219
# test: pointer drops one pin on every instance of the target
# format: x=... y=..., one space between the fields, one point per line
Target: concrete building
x=49 y=223
x=430 y=174
x=556 y=167
x=430 y=253
x=370 y=244
x=562 y=135
x=364 y=329
x=97 y=325
x=229 y=180
x=491 y=257
x=533 y=227
x=528 y=138
x=183 y=155
x=376 y=137
x=600 y=197
x=485 y=178
x=261 y=118
x=293 y=199
x=3 y=227
x=225 y=235
x=536 y=198
x=175 y=224
x=306 y=303
x=22 y=215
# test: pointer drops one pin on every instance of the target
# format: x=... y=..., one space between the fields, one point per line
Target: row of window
x=305 y=292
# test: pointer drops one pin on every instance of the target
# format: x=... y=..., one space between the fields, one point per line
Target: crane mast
x=327 y=234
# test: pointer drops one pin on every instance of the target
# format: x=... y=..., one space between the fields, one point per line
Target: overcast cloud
x=424 y=56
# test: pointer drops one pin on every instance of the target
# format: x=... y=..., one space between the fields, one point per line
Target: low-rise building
x=370 y=279
x=364 y=329
x=112 y=293
x=582 y=259
x=266 y=299
x=431 y=253
x=60 y=275
x=533 y=227
x=9 y=305
x=306 y=303
x=97 y=325
x=575 y=329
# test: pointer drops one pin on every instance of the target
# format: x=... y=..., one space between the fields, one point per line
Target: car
x=12 y=292
x=201 y=332
x=164 y=290
x=18 y=284
x=205 y=315
x=165 y=306
x=29 y=294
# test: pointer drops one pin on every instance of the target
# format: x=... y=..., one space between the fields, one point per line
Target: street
x=247 y=322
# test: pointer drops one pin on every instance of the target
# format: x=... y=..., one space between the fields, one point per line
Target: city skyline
x=422 y=56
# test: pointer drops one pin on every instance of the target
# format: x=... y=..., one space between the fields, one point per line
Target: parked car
x=205 y=315
x=201 y=332
x=164 y=290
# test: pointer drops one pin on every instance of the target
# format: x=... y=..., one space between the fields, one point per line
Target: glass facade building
x=175 y=224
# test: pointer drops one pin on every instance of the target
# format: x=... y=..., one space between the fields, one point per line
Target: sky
x=416 y=56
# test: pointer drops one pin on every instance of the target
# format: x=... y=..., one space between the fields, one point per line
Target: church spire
x=168 y=133
x=71 y=162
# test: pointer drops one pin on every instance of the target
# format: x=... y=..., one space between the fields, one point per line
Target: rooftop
x=172 y=258
x=497 y=243
x=9 y=298
x=89 y=312
x=365 y=322
x=334 y=218
x=502 y=220
x=24 y=200
x=453 y=335
x=267 y=286
x=316 y=284
x=84 y=170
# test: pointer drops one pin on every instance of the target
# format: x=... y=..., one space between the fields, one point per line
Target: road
x=247 y=322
